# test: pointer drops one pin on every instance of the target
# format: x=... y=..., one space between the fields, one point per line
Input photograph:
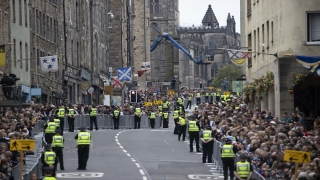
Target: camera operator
x=7 y=83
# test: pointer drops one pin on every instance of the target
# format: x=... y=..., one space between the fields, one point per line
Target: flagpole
x=275 y=54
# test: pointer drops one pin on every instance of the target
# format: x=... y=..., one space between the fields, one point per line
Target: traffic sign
x=22 y=145
x=297 y=156
x=158 y=102
x=147 y=104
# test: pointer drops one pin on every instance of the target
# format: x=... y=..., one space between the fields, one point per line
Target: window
x=14 y=53
x=268 y=35
x=36 y=19
x=51 y=30
x=26 y=50
x=254 y=42
x=154 y=7
x=54 y=31
x=110 y=24
x=258 y=42
x=72 y=52
x=44 y=24
x=313 y=28
x=249 y=46
x=77 y=15
x=78 y=56
x=32 y=21
x=263 y=38
x=20 y=49
x=25 y=13
x=33 y=58
x=13 y=11
x=20 y=13
x=38 y=60
x=40 y=22
x=248 y=7
x=212 y=44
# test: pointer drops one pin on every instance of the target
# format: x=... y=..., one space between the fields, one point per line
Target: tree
x=230 y=71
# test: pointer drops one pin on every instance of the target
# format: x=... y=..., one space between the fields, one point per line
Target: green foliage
x=230 y=71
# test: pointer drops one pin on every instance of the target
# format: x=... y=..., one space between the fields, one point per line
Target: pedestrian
x=152 y=118
x=57 y=121
x=193 y=128
x=71 y=115
x=83 y=141
x=165 y=120
x=49 y=159
x=189 y=101
x=61 y=114
x=207 y=145
x=182 y=130
x=243 y=169
x=49 y=129
x=176 y=119
x=137 y=118
x=93 y=117
x=198 y=97
x=48 y=174
x=57 y=147
x=116 y=118
x=228 y=152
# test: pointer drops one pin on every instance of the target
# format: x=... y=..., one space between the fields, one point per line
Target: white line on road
x=116 y=137
x=142 y=172
x=166 y=142
x=129 y=155
x=125 y=151
x=138 y=165
x=121 y=147
x=133 y=160
x=144 y=178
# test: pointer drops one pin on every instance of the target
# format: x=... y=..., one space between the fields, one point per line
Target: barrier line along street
x=141 y=170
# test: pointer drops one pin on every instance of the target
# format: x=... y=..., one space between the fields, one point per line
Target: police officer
x=48 y=173
x=71 y=115
x=243 y=169
x=228 y=152
x=193 y=128
x=183 y=125
x=57 y=147
x=116 y=118
x=49 y=159
x=189 y=101
x=49 y=129
x=83 y=141
x=61 y=113
x=176 y=119
x=207 y=97
x=137 y=118
x=165 y=106
x=165 y=120
x=152 y=118
x=57 y=121
x=198 y=97
x=207 y=145
x=93 y=118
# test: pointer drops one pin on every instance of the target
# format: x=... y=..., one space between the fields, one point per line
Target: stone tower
x=204 y=41
x=164 y=17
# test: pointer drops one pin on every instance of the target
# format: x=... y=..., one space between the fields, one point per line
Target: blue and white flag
x=145 y=66
x=312 y=63
x=124 y=74
x=49 y=64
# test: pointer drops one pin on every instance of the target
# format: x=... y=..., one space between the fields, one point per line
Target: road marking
x=142 y=172
x=160 y=130
x=116 y=136
x=138 y=165
x=125 y=151
x=166 y=142
x=81 y=175
x=144 y=178
x=133 y=159
x=129 y=155
x=121 y=147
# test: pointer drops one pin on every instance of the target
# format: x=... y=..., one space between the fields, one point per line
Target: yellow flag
x=2 y=56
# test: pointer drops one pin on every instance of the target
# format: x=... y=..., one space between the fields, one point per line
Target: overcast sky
x=193 y=11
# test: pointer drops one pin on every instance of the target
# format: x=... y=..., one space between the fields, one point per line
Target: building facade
x=285 y=27
x=206 y=42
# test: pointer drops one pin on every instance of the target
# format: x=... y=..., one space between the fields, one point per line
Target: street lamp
x=111 y=14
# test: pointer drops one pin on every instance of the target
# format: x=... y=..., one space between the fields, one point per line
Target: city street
x=136 y=154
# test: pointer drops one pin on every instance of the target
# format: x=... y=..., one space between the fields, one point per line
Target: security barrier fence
x=216 y=159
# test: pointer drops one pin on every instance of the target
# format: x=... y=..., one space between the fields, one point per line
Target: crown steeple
x=210 y=18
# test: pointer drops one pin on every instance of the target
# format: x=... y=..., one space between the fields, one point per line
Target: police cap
x=228 y=141
x=243 y=156
x=48 y=169
x=51 y=117
x=58 y=131
x=208 y=127
x=82 y=128
x=48 y=146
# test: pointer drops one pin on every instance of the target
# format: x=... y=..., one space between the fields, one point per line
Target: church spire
x=209 y=18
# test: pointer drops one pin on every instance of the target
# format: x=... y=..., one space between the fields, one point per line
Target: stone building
x=15 y=35
x=204 y=42
x=284 y=27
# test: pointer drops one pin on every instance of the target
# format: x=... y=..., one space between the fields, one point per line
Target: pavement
x=129 y=154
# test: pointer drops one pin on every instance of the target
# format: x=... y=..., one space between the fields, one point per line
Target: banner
x=237 y=86
x=145 y=66
x=49 y=64
x=2 y=55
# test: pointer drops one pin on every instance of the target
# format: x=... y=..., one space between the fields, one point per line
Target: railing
x=216 y=159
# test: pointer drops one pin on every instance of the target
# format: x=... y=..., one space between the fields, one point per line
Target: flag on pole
x=238 y=57
x=124 y=74
x=145 y=66
x=49 y=64
x=2 y=55
x=312 y=63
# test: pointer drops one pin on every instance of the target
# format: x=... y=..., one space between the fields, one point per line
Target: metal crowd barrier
x=216 y=159
x=106 y=122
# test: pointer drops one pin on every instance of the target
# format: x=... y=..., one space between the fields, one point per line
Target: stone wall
x=5 y=34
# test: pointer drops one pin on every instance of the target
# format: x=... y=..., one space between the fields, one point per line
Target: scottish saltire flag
x=145 y=66
x=124 y=74
x=238 y=57
x=49 y=63
x=312 y=63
